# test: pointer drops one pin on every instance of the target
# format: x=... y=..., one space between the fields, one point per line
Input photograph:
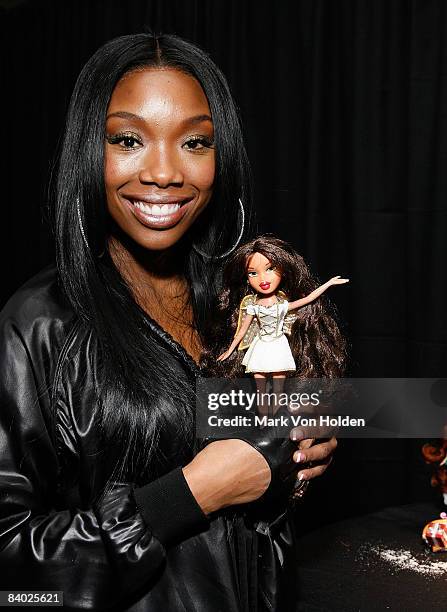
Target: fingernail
x=301 y=476
x=299 y=458
x=296 y=435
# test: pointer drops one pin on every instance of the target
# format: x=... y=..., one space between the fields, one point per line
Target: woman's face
x=262 y=276
x=159 y=155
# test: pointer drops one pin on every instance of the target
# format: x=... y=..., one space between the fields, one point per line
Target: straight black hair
x=141 y=391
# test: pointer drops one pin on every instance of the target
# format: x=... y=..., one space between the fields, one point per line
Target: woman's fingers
x=317 y=456
x=306 y=443
x=314 y=452
x=298 y=456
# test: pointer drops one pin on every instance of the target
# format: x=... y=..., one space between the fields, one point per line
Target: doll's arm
x=336 y=280
x=237 y=338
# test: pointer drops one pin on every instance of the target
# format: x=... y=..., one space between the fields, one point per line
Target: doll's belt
x=270 y=337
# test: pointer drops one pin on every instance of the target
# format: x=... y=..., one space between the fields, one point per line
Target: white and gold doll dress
x=269 y=350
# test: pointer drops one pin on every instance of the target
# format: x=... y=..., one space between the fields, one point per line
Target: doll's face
x=159 y=155
x=262 y=276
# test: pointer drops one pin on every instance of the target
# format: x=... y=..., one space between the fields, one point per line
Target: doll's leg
x=261 y=386
x=278 y=387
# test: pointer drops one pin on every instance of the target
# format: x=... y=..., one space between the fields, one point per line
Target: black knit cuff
x=170 y=509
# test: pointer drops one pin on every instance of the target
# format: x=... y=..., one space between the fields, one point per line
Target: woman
x=105 y=494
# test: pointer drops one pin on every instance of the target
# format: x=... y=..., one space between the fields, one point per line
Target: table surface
x=373 y=563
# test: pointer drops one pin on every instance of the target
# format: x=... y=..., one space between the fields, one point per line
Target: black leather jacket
x=149 y=548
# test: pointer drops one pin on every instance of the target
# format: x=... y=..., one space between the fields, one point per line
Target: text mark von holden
x=285 y=421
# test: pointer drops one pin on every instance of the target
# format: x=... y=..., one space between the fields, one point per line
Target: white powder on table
x=401 y=559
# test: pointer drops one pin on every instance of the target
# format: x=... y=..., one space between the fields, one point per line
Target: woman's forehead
x=159 y=94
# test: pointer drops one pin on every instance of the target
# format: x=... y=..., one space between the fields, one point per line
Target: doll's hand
x=337 y=280
x=224 y=355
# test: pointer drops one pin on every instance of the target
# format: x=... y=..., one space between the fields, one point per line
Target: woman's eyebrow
x=196 y=119
x=188 y=121
x=124 y=115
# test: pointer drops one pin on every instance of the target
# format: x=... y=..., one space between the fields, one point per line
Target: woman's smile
x=160 y=212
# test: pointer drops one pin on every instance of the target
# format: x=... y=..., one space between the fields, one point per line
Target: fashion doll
x=269 y=292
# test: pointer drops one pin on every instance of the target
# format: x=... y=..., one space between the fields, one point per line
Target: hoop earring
x=206 y=256
x=81 y=227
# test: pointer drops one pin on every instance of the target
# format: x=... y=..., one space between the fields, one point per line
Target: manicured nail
x=301 y=476
x=299 y=458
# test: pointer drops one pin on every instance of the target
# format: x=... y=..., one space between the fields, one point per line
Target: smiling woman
x=159 y=155
x=107 y=495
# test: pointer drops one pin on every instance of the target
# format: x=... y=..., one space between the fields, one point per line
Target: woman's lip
x=265 y=285
x=158 y=199
x=159 y=221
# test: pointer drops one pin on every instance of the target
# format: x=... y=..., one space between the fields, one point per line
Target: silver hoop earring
x=206 y=256
x=81 y=227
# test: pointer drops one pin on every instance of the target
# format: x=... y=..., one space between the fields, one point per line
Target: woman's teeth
x=156 y=210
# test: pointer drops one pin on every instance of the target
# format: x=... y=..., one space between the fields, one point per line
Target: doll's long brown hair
x=317 y=345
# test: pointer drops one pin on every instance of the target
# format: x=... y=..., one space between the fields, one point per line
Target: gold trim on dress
x=254 y=329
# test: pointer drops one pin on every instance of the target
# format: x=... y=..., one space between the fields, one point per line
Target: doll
x=274 y=294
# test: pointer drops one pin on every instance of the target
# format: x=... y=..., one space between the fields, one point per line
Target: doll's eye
x=252 y=274
x=271 y=268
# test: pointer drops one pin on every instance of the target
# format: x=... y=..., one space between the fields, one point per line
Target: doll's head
x=262 y=276
x=269 y=259
x=315 y=340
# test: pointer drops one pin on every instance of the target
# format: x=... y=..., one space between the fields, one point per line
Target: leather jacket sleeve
x=99 y=552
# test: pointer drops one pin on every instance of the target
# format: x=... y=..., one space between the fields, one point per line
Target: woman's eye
x=127 y=141
x=251 y=274
x=271 y=269
x=198 y=143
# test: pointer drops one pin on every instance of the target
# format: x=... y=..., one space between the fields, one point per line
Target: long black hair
x=140 y=390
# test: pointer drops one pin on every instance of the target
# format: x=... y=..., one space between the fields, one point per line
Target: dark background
x=344 y=105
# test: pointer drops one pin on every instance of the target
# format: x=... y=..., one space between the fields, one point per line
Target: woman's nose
x=161 y=167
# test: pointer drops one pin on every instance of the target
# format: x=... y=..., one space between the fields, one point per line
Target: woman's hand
x=232 y=471
x=225 y=473
x=225 y=355
x=319 y=455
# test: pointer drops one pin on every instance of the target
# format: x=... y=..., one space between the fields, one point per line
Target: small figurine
x=269 y=292
x=435 y=534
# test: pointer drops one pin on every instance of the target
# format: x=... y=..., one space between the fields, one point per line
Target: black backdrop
x=344 y=104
